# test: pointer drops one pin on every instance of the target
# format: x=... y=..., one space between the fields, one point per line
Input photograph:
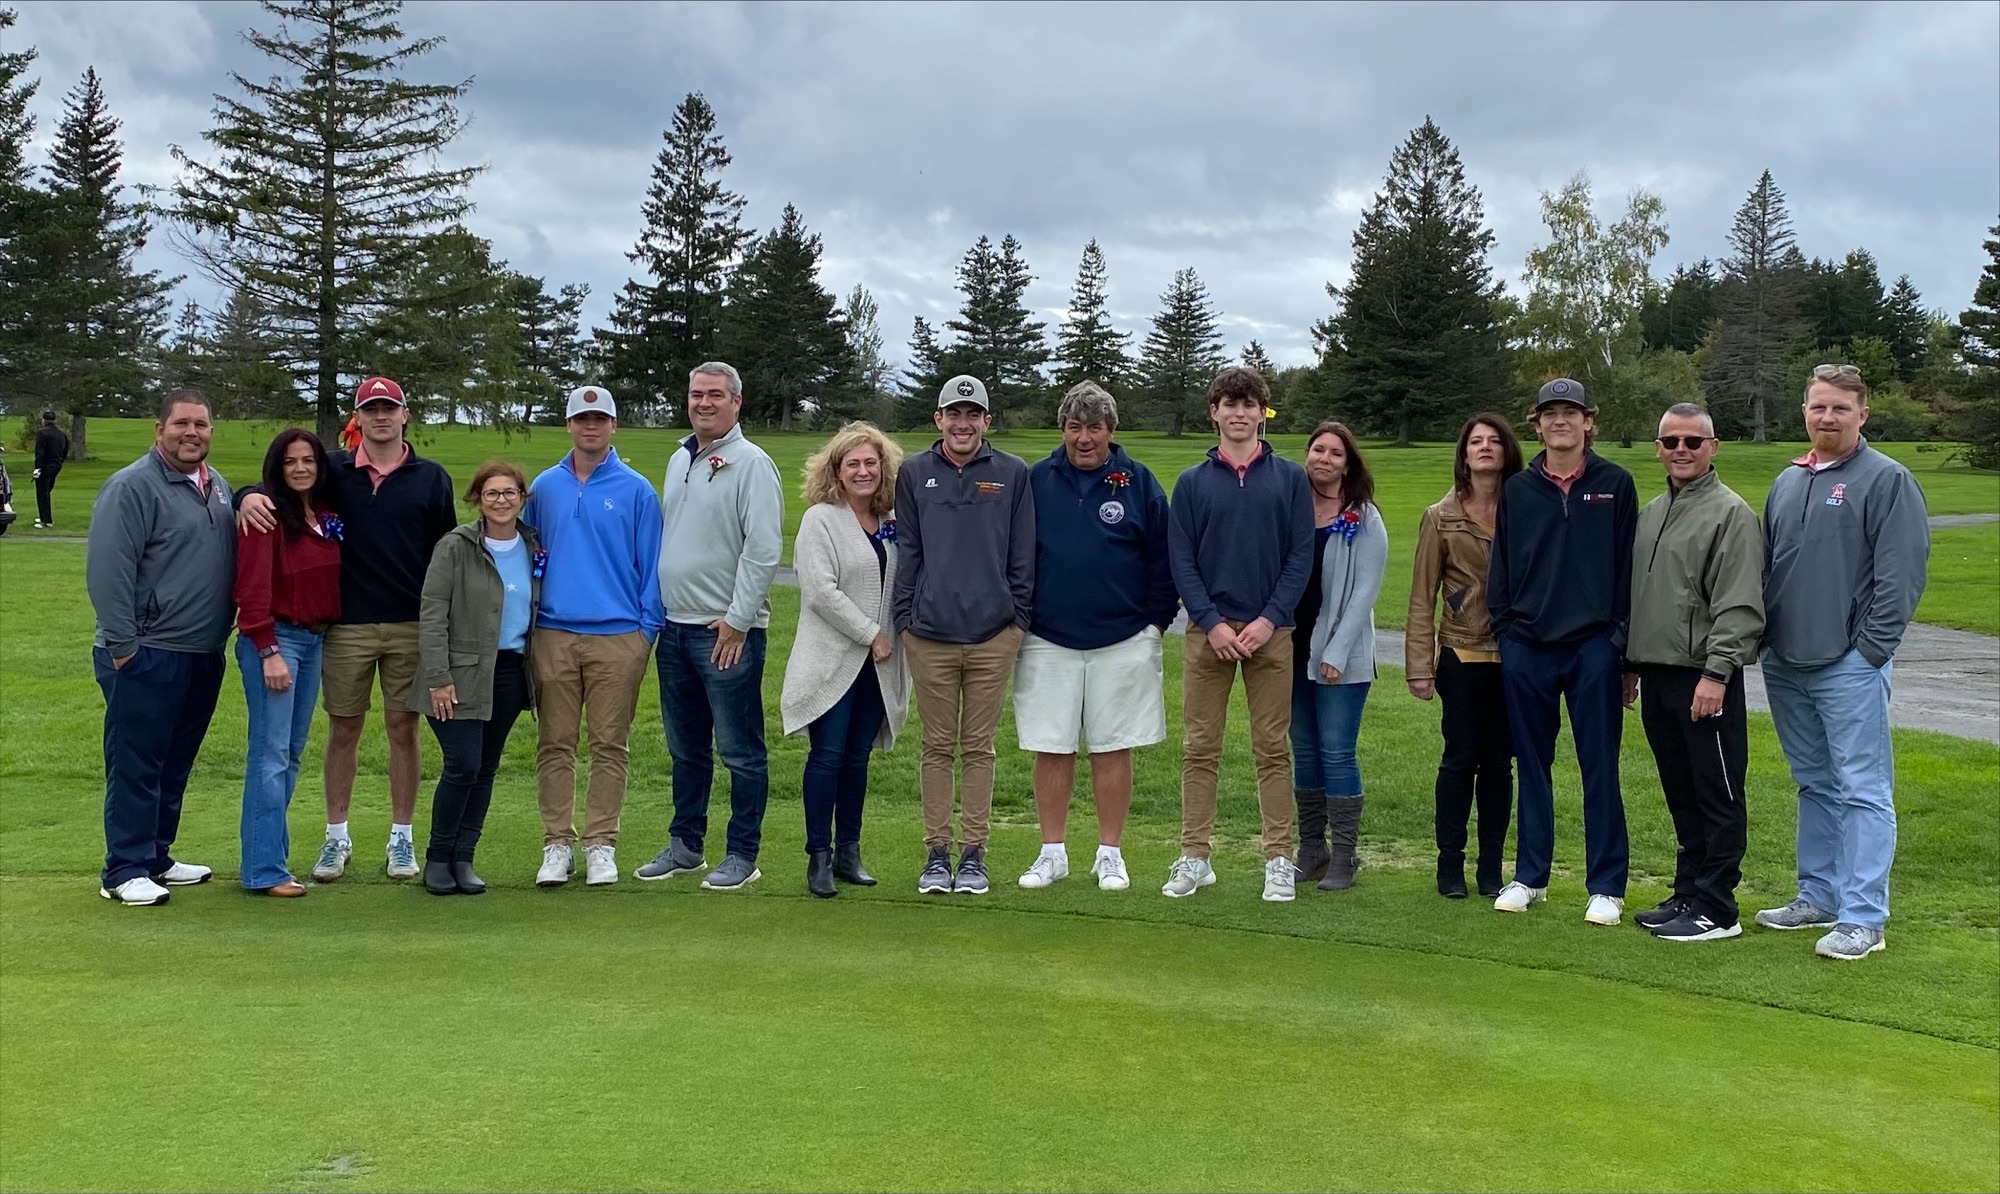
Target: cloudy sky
x=1243 y=139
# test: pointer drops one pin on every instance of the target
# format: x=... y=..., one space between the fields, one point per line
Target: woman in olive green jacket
x=473 y=680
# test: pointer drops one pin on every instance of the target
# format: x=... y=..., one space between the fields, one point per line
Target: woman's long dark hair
x=292 y=510
x=1510 y=452
x=1357 y=485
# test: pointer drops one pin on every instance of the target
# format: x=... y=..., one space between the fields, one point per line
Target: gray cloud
x=1243 y=140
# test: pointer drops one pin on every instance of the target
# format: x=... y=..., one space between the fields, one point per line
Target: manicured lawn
x=1964 y=588
x=658 y=1036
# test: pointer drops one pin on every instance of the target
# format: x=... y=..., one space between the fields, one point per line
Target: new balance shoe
x=1796 y=915
x=971 y=876
x=1850 y=943
x=332 y=862
x=136 y=893
x=936 y=879
x=678 y=858
x=600 y=865
x=1665 y=912
x=1604 y=910
x=1046 y=871
x=402 y=854
x=1110 y=872
x=558 y=863
x=1693 y=926
x=1517 y=897
x=184 y=874
x=732 y=874
x=1280 y=880
x=1187 y=876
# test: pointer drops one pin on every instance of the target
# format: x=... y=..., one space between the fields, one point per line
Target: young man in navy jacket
x=1559 y=588
x=1240 y=544
x=1090 y=667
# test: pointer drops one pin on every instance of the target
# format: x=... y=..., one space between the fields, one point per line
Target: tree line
x=321 y=208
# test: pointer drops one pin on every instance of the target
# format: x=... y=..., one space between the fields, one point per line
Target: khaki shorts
x=353 y=655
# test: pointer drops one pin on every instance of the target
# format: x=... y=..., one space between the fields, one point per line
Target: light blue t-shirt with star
x=512 y=560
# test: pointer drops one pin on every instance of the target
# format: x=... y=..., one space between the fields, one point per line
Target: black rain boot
x=438 y=879
x=847 y=865
x=468 y=882
x=1451 y=875
x=1343 y=822
x=1486 y=874
x=819 y=873
x=1313 y=854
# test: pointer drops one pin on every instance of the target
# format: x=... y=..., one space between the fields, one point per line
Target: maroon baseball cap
x=378 y=389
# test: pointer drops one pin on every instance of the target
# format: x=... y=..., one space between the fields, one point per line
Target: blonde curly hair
x=822 y=471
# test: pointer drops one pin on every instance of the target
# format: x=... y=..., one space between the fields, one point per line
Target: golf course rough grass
x=657 y=1036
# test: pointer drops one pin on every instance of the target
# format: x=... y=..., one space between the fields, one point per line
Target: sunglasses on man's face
x=1672 y=443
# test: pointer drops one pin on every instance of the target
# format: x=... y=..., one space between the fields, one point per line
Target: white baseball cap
x=588 y=399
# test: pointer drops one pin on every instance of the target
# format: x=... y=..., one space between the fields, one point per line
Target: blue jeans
x=156 y=712
x=836 y=779
x=279 y=723
x=1833 y=723
x=1588 y=677
x=700 y=704
x=1326 y=722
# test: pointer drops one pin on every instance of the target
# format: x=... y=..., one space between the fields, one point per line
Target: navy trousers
x=156 y=712
x=1588 y=678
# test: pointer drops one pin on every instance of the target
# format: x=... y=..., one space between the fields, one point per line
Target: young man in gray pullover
x=1847 y=542
x=160 y=568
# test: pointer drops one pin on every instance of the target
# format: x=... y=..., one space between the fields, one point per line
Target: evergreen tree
x=1975 y=416
x=550 y=348
x=1908 y=328
x=861 y=317
x=1416 y=341
x=1757 y=310
x=931 y=364
x=26 y=213
x=782 y=329
x=693 y=232
x=325 y=185
x=236 y=367
x=1843 y=301
x=997 y=342
x=1088 y=348
x=1181 y=356
x=17 y=124
x=452 y=336
x=1255 y=357
x=1677 y=316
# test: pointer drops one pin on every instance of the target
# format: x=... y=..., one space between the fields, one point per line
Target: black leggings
x=472 y=751
x=1478 y=763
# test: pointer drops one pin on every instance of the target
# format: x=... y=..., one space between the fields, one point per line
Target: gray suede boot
x=1313 y=854
x=1343 y=820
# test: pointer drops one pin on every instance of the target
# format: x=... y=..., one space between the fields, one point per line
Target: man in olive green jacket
x=1697 y=617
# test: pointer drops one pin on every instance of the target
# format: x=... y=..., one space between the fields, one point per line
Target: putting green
x=636 y=1039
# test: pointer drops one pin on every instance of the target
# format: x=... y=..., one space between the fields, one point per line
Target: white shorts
x=1112 y=698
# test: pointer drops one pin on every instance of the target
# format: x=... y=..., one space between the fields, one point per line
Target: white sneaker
x=600 y=865
x=1280 y=880
x=401 y=855
x=333 y=856
x=184 y=874
x=1046 y=871
x=1516 y=897
x=136 y=893
x=557 y=863
x=1110 y=873
x=1188 y=876
x=1603 y=909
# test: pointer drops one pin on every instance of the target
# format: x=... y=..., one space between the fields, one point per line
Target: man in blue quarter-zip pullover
x=1090 y=668
x=599 y=523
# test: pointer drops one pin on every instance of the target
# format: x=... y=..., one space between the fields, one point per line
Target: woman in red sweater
x=287 y=593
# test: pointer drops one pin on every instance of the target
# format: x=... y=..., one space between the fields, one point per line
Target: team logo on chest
x=1111 y=513
x=1838 y=496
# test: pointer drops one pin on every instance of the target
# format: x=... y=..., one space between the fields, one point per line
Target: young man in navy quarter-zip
x=1559 y=588
x=1240 y=546
x=599 y=523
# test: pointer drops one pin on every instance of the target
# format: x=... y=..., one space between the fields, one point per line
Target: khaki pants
x=600 y=673
x=1205 y=683
x=961 y=688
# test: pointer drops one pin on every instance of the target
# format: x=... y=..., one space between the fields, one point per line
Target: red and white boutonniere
x=1348 y=524
x=715 y=465
x=1118 y=479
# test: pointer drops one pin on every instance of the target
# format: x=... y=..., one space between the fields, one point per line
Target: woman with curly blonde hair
x=846 y=684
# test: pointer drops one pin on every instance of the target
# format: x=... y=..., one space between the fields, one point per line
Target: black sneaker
x=971 y=878
x=1670 y=909
x=1693 y=926
x=936 y=879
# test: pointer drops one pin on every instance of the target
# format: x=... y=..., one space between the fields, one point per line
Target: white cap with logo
x=590 y=399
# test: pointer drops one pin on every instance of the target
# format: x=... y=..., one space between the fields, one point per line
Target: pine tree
x=1677 y=317
x=1088 y=348
x=782 y=329
x=30 y=281
x=1416 y=341
x=451 y=335
x=1843 y=301
x=1181 y=356
x=1975 y=416
x=692 y=236
x=997 y=342
x=1757 y=311
x=239 y=370
x=324 y=184
x=1908 y=328
x=551 y=349
x=17 y=124
x=930 y=366
x=861 y=317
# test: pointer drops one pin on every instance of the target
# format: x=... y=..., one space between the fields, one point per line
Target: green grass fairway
x=652 y=1035
x=1964 y=589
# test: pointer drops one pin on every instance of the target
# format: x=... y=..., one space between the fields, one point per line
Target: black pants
x=472 y=751
x=1478 y=763
x=45 y=486
x=156 y=713
x=1701 y=766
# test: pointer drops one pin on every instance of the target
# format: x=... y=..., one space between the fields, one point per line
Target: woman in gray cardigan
x=846 y=684
x=1336 y=671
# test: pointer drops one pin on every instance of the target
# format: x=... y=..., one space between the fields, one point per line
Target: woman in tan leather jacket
x=1460 y=662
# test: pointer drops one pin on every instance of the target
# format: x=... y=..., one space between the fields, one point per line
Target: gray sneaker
x=734 y=873
x=1188 y=876
x=401 y=858
x=936 y=879
x=677 y=859
x=1796 y=915
x=1850 y=943
x=971 y=877
x=333 y=856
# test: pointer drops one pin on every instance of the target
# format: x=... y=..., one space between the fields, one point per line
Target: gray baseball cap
x=1563 y=390
x=963 y=388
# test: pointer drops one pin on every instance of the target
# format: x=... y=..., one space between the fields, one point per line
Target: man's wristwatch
x=266 y=652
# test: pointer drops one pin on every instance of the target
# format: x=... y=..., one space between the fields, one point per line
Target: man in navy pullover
x=1240 y=545
x=1090 y=666
x=1559 y=589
